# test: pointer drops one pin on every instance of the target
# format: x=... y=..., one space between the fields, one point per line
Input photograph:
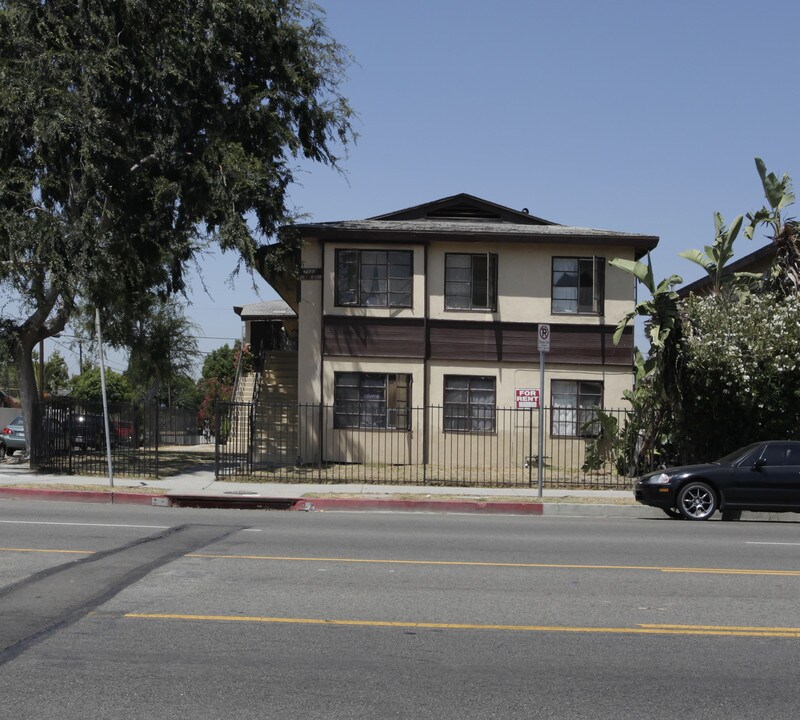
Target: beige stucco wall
x=523 y=283
x=309 y=335
x=415 y=368
x=390 y=446
x=502 y=454
x=510 y=376
x=524 y=279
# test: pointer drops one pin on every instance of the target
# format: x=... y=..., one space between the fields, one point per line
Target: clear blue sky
x=624 y=115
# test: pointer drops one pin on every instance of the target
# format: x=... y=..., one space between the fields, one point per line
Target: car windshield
x=737 y=455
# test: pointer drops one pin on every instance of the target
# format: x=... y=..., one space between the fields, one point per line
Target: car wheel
x=697 y=501
x=673 y=513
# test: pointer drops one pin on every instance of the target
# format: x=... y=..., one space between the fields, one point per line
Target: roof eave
x=328 y=233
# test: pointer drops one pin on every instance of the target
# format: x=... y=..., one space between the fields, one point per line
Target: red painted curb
x=460 y=506
x=88 y=496
x=257 y=502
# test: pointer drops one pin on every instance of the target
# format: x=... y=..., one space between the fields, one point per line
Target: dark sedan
x=764 y=477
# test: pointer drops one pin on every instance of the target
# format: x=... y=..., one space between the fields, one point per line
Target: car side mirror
x=758 y=464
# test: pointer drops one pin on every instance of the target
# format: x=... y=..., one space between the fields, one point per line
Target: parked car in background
x=86 y=431
x=763 y=476
x=123 y=432
x=12 y=437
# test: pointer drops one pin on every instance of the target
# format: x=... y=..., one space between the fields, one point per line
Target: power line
x=195 y=337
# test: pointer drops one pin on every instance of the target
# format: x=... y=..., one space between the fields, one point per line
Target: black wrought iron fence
x=73 y=437
x=307 y=443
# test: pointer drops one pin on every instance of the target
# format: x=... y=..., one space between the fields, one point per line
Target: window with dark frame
x=578 y=285
x=470 y=281
x=374 y=278
x=469 y=404
x=574 y=403
x=375 y=401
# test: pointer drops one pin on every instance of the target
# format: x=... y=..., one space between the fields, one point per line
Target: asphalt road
x=137 y=612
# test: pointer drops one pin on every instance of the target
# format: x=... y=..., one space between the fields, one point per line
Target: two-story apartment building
x=438 y=306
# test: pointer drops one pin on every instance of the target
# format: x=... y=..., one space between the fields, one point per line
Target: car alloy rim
x=698 y=502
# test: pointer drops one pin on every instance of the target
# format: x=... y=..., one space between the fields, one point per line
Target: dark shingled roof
x=465 y=218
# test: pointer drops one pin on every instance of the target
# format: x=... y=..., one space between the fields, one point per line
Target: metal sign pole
x=540 y=458
x=544 y=347
x=530 y=447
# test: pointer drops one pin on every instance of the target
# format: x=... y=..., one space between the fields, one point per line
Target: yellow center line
x=452 y=563
x=719 y=631
x=462 y=563
x=737 y=628
x=47 y=550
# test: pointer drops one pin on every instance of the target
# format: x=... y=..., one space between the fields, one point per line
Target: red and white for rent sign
x=526 y=398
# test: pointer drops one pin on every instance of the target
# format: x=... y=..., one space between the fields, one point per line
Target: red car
x=123 y=431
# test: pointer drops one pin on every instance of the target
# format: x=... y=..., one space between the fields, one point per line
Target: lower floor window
x=573 y=407
x=469 y=403
x=371 y=400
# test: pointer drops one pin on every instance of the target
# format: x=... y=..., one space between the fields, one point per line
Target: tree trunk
x=29 y=394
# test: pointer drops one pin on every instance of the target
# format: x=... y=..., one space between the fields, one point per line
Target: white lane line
x=756 y=542
x=110 y=525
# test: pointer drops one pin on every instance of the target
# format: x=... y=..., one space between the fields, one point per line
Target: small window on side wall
x=578 y=285
x=470 y=281
x=573 y=403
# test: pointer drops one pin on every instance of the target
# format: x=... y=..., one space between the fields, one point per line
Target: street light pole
x=105 y=399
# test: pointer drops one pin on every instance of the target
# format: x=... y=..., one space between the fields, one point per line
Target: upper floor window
x=469 y=403
x=470 y=281
x=374 y=278
x=371 y=400
x=578 y=285
x=573 y=403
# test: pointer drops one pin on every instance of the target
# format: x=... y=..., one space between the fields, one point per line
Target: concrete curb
x=254 y=501
x=435 y=506
x=86 y=496
x=311 y=504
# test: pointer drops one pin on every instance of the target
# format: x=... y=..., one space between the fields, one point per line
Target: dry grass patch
x=139 y=489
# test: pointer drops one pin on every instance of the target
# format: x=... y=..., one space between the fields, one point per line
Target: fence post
x=157 y=429
x=321 y=435
x=425 y=438
x=530 y=447
x=216 y=442
x=251 y=411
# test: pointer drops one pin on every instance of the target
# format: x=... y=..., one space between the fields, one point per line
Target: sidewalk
x=199 y=489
